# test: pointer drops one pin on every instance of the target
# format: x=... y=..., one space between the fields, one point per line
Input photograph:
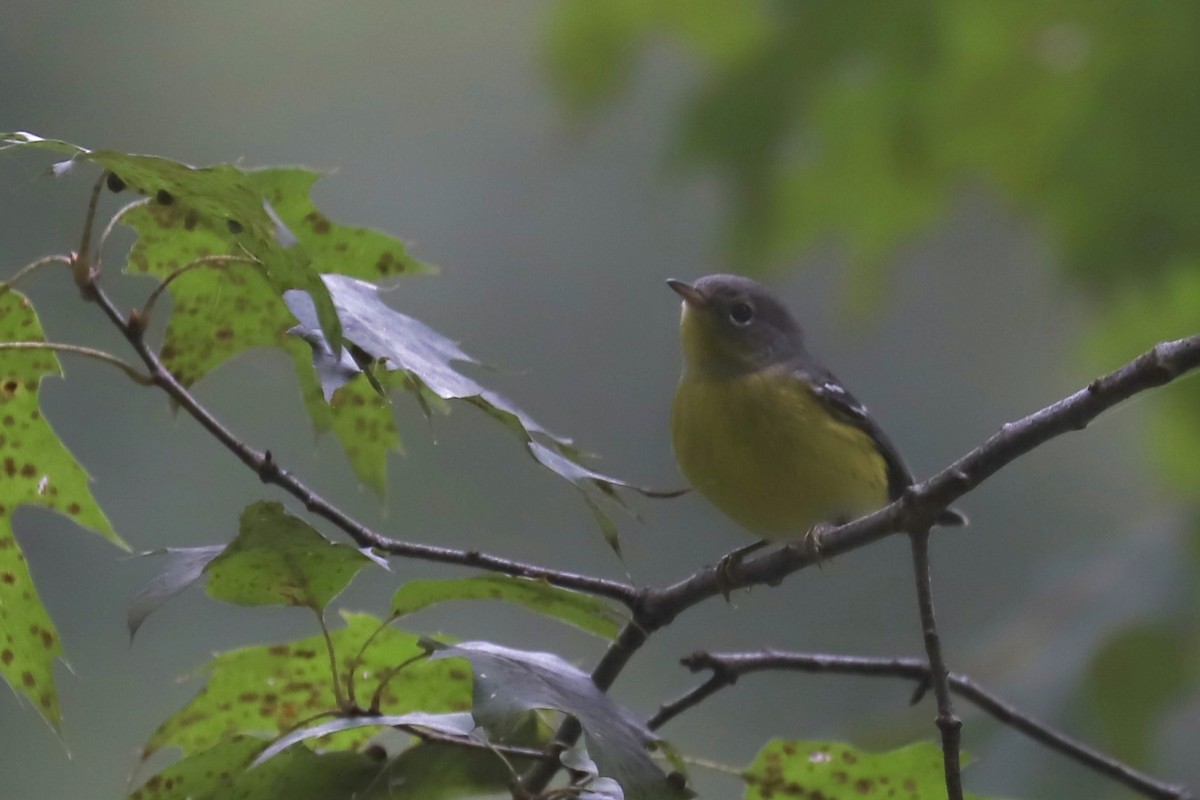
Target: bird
x=763 y=430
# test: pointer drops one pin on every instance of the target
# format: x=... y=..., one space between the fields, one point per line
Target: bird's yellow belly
x=766 y=452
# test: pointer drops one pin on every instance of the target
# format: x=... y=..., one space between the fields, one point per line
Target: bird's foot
x=731 y=562
x=812 y=541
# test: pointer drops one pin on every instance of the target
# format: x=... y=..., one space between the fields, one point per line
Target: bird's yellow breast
x=766 y=452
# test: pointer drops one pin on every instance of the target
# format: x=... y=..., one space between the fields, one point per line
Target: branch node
x=136 y=322
x=920 y=690
x=266 y=468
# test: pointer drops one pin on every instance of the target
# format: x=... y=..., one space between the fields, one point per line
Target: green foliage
x=1134 y=679
x=221 y=773
x=840 y=772
x=583 y=611
x=271 y=689
x=864 y=120
x=218 y=201
x=35 y=470
x=278 y=559
x=390 y=343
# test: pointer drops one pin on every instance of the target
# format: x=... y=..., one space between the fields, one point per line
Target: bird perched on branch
x=763 y=430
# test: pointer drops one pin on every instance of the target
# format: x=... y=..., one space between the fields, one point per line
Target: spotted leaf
x=36 y=470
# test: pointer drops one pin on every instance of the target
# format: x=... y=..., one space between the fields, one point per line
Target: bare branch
x=947 y=721
x=726 y=668
x=268 y=471
x=654 y=609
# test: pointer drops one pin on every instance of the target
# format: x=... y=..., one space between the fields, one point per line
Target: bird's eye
x=741 y=313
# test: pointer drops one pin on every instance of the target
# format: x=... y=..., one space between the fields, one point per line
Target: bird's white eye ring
x=741 y=313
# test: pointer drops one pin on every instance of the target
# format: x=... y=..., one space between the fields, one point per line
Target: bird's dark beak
x=690 y=294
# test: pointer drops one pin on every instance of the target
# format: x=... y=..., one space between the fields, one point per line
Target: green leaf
x=402 y=345
x=223 y=772
x=278 y=559
x=344 y=249
x=217 y=200
x=435 y=771
x=232 y=302
x=836 y=771
x=1135 y=677
x=271 y=689
x=36 y=470
x=583 y=611
x=509 y=683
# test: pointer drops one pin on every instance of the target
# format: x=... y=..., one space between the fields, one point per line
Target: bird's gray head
x=732 y=324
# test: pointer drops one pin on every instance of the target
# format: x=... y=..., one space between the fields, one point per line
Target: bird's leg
x=730 y=562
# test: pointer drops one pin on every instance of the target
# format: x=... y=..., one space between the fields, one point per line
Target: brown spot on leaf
x=73 y=509
x=6 y=656
x=388 y=263
x=28 y=680
x=28 y=471
x=8 y=578
x=223 y=334
x=318 y=222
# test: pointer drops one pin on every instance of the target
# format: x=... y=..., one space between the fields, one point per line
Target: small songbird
x=762 y=429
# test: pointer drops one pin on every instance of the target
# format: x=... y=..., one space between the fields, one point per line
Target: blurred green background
x=974 y=207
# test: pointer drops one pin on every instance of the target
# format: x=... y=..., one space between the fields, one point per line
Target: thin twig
x=431 y=735
x=338 y=699
x=726 y=668
x=270 y=472
x=202 y=261
x=83 y=263
x=116 y=219
x=939 y=675
x=30 y=267
x=386 y=677
x=131 y=371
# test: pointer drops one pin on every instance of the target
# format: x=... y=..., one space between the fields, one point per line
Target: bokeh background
x=974 y=207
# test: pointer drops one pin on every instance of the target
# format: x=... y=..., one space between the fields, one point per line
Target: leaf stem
x=341 y=702
x=130 y=371
x=202 y=261
x=29 y=268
